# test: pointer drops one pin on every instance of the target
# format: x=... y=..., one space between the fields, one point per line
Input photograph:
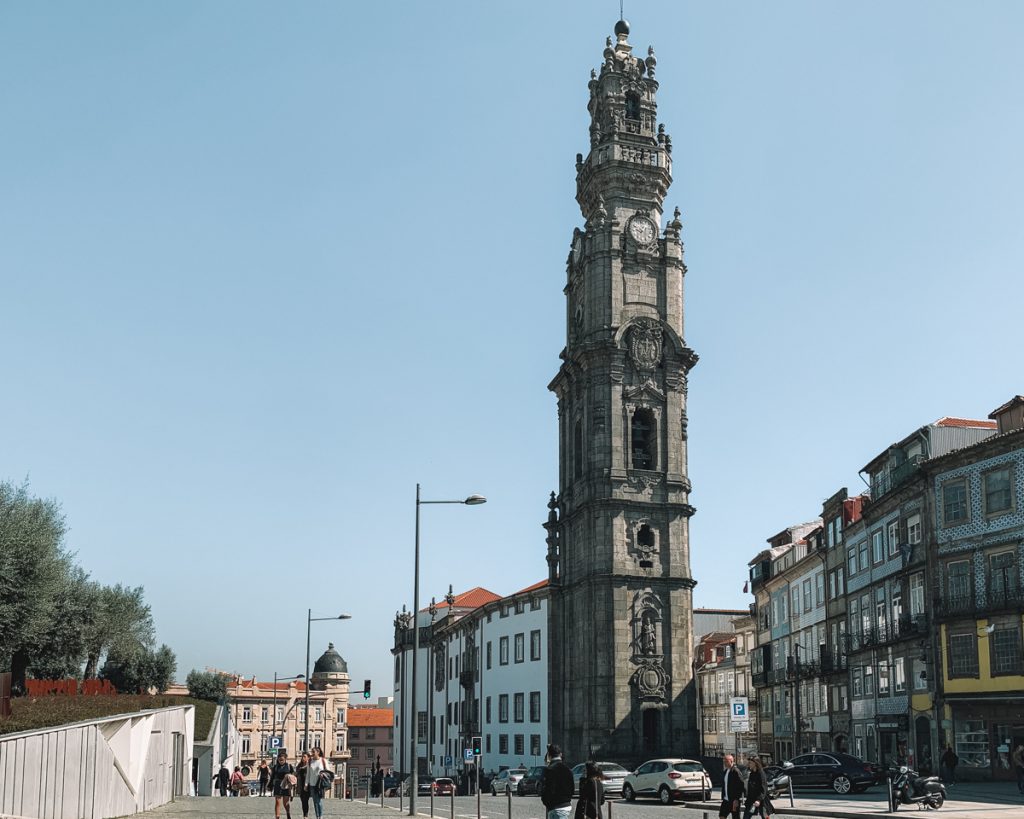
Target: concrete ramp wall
x=100 y=769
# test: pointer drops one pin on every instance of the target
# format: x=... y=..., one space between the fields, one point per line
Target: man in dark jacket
x=732 y=790
x=557 y=785
x=222 y=777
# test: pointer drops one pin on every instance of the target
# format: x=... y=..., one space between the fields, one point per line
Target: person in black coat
x=757 y=789
x=591 y=792
x=732 y=790
x=222 y=777
x=557 y=786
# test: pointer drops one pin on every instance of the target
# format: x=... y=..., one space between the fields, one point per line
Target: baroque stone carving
x=651 y=681
x=439 y=669
x=645 y=343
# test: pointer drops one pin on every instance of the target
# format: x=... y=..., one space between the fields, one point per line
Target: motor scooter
x=910 y=788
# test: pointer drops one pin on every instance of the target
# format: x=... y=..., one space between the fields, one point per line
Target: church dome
x=330 y=662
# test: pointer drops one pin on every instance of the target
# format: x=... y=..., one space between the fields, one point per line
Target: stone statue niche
x=647 y=626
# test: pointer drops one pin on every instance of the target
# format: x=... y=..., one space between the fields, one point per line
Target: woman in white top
x=313 y=770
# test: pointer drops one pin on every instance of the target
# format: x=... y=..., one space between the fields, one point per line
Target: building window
x=578 y=452
x=487 y=708
x=534 y=744
x=503 y=651
x=807 y=594
x=794 y=608
x=869 y=681
x=914 y=529
x=893 y=536
x=863 y=556
x=1005 y=648
x=369 y=753
x=819 y=589
x=503 y=708
x=421 y=726
x=535 y=706
x=954 y=502
x=518 y=705
x=265 y=714
x=958 y=580
x=520 y=745
x=371 y=733
x=643 y=439
x=858 y=682
x=998 y=491
x=877 y=549
x=354 y=732
x=246 y=743
x=963 y=654
x=502 y=743
x=246 y=713
x=971 y=739
x=535 y=644
x=534 y=604
x=341 y=716
x=632 y=105
x=488 y=744
x=851 y=559
x=488 y=655
x=318 y=714
x=883 y=680
x=917 y=594
x=520 y=647
x=1002 y=578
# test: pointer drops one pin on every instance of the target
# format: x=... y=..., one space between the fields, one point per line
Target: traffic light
x=366 y=689
x=477 y=750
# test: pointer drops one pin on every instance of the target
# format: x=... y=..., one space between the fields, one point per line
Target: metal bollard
x=508 y=795
x=791 y=792
x=888 y=788
x=431 y=800
x=400 y=808
x=610 y=803
x=382 y=796
x=368 y=793
x=453 y=803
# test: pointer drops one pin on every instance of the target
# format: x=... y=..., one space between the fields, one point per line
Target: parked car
x=424 y=786
x=443 y=786
x=614 y=776
x=507 y=780
x=840 y=772
x=530 y=783
x=668 y=779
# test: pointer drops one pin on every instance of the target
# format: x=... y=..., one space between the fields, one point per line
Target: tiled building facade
x=917 y=642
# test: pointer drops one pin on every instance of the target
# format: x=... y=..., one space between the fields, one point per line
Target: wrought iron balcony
x=759 y=679
x=1006 y=597
x=955 y=605
x=886 y=482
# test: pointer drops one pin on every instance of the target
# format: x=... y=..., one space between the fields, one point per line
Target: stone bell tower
x=620 y=630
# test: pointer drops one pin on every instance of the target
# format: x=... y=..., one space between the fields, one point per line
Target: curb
x=711 y=811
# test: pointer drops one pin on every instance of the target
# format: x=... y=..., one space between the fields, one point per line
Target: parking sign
x=739 y=715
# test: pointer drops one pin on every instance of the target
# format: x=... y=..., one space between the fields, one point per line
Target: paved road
x=999 y=801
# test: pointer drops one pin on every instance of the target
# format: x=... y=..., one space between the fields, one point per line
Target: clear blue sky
x=265 y=266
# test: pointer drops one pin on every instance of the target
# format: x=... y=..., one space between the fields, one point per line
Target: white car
x=614 y=775
x=507 y=780
x=668 y=779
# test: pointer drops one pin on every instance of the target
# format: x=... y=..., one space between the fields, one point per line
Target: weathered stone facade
x=621 y=631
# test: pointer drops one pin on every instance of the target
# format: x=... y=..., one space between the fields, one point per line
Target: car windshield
x=538 y=771
x=444 y=782
x=689 y=767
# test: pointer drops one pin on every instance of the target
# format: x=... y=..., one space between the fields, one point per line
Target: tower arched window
x=643 y=439
x=578 y=454
x=632 y=106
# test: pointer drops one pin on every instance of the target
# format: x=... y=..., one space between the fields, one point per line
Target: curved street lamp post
x=310 y=619
x=472 y=500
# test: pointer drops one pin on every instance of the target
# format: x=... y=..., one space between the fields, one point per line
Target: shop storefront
x=985 y=734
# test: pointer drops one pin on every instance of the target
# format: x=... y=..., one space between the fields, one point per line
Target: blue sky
x=265 y=266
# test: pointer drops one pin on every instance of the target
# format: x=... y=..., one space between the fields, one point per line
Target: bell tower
x=620 y=629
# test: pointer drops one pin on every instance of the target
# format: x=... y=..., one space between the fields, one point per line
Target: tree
x=32 y=566
x=140 y=671
x=207 y=685
x=61 y=649
x=121 y=623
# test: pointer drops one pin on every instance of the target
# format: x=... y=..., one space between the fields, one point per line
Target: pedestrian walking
x=591 y=793
x=314 y=785
x=557 y=785
x=222 y=778
x=948 y=762
x=757 y=790
x=1018 y=764
x=301 y=772
x=264 y=777
x=237 y=781
x=732 y=790
x=282 y=780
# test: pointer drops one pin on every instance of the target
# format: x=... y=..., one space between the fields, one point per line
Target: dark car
x=531 y=782
x=443 y=786
x=424 y=786
x=840 y=772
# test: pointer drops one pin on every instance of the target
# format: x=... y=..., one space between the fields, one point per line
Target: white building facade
x=482 y=671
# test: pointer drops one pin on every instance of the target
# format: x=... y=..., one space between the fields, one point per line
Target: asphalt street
x=988 y=801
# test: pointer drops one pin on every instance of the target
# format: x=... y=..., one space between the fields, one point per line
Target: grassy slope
x=46 y=712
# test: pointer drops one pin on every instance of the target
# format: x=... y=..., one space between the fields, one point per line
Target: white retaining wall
x=100 y=769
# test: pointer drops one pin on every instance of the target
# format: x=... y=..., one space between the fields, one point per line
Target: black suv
x=840 y=772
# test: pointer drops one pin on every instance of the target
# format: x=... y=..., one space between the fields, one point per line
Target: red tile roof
x=471 y=599
x=370 y=717
x=534 y=587
x=968 y=423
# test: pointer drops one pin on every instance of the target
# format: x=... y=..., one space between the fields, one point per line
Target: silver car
x=507 y=780
x=614 y=775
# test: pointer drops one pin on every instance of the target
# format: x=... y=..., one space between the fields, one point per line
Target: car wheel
x=627 y=793
x=664 y=795
x=841 y=784
x=936 y=801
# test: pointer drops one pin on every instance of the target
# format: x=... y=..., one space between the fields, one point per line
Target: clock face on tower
x=642 y=230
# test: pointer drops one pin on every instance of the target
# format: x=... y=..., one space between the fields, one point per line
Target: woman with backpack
x=591 y=793
x=282 y=780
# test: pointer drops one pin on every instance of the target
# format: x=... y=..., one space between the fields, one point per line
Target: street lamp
x=273 y=730
x=472 y=500
x=310 y=619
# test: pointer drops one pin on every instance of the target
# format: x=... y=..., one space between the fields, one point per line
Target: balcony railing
x=904 y=628
x=833 y=661
x=885 y=482
x=1005 y=597
x=955 y=605
x=759 y=679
